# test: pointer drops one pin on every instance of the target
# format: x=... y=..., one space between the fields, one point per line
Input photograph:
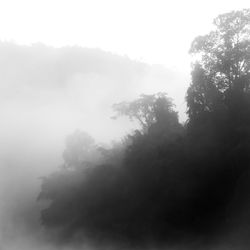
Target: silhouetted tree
x=224 y=62
x=166 y=180
x=147 y=109
x=218 y=101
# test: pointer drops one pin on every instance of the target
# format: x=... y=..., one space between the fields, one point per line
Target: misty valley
x=136 y=170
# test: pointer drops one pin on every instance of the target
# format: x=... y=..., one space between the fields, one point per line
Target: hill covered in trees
x=167 y=182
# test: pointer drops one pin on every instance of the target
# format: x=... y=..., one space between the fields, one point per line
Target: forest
x=167 y=182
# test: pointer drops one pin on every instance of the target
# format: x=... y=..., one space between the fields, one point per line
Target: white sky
x=155 y=31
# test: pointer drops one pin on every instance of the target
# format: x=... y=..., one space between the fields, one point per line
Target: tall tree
x=148 y=110
x=224 y=64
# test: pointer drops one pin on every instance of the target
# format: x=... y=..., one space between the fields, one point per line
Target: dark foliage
x=170 y=181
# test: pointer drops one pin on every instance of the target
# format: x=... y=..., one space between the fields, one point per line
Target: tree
x=224 y=65
x=165 y=184
x=80 y=150
x=218 y=101
x=148 y=110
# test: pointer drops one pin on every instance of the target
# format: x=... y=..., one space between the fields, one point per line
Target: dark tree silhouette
x=224 y=64
x=146 y=110
x=166 y=181
x=218 y=102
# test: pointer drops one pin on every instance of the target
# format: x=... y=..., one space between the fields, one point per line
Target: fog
x=46 y=94
x=124 y=125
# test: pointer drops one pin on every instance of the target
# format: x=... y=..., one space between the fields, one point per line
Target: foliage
x=225 y=62
x=146 y=110
x=166 y=181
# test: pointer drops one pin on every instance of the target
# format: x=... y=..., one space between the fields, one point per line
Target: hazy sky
x=46 y=93
x=156 y=31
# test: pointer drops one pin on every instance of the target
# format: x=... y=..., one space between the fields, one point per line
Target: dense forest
x=166 y=182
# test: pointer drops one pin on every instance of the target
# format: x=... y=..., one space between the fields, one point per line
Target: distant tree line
x=166 y=180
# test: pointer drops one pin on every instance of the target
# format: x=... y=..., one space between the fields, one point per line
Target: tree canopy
x=224 y=64
x=169 y=180
x=147 y=110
